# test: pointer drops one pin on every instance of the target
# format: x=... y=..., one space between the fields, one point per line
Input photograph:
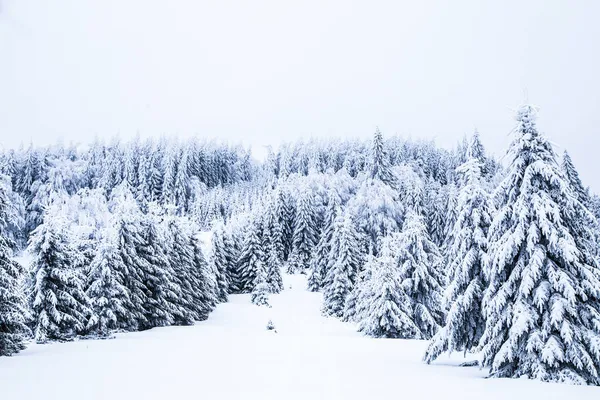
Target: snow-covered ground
x=233 y=356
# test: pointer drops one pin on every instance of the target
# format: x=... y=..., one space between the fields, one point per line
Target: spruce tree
x=346 y=263
x=220 y=262
x=388 y=309
x=59 y=303
x=261 y=289
x=205 y=287
x=542 y=306
x=285 y=212
x=13 y=328
x=273 y=265
x=464 y=320
x=106 y=291
x=380 y=168
x=418 y=261
x=180 y=254
x=305 y=233
x=572 y=176
x=320 y=257
x=251 y=257
x=162 y=304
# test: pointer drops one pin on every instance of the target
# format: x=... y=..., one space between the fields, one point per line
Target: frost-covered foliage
x=464 y=322
x=542 y=306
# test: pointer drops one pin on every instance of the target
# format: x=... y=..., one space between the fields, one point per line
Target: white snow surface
x=233 y=356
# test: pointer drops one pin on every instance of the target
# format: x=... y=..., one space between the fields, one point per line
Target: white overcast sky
x=259 y=72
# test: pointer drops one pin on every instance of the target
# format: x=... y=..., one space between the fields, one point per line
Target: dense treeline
x=403 y=238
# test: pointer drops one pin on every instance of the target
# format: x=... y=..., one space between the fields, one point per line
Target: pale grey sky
x=265 y=71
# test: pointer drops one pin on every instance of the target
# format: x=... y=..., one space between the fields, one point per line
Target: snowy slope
x=233 y=356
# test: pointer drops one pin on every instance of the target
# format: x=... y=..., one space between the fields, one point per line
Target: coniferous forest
x=404 y=239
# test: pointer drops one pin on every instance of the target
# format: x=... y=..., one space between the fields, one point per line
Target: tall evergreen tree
x=220 y=261
x=59 y=303
x=464 y=320
x=261 y=289
x=13 y=328
x=387 y=309
x=251 y=257
x=542 y=306
x=346 y=262
x=305 y=233
x=380 y=169
x=321 y=253
x=106 y=291
x=418 y=260
x=572 y=176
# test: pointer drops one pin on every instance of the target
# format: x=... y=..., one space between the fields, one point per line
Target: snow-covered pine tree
x=380 y=168
x=346 y=263
x=128 y=224
x=285 y=211
x=169 y=170
x=182 y=182
x=163 y=292
x=13 y=328
x=305 y=233
x=387 y=308
x=464 y=322
x=273 y=265
x=261 y=288
x=180 y=254
x=220 y=261
x=477 y=151
x=232 y=245
x=418 y=261
x=107 y=295
x=568 y=168
x=320 y=257
x=59 y=303
x=542 y=306
x=378 y=212
x=251 y=256
x=205 y=287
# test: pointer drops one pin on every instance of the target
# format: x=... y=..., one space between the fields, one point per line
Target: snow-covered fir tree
x=59 y=304
x=464 y=321
x=220 y=260
x=305 y=233
x=204 y=278
x=380 y=168
x=542 y=306
x=273 y=266
x=107 y=294
x=251 y=257
x=387 y=307
x=261 y=287
x=13 y=313
x=321 y=253
x=572 y=176
x=418 y=260
x=346 y=261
